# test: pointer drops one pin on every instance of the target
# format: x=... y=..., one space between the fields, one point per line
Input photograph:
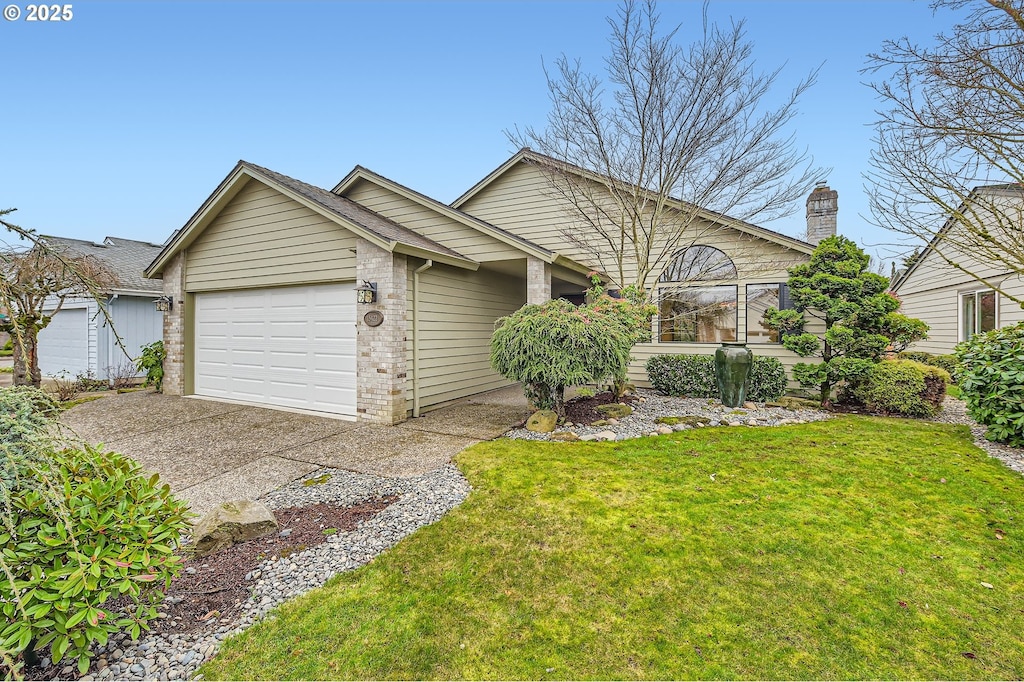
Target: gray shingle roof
x=126 y=258
x=371 y=221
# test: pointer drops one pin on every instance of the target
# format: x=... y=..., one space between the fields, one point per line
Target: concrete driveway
x=212 y=451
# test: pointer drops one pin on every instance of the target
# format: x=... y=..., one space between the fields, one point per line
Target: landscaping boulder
x=542 y=421
x=615 y=410
x=564 y=436
x=231 y=522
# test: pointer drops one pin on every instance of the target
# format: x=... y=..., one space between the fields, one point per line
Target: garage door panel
x=290 y=347
x=64 y=343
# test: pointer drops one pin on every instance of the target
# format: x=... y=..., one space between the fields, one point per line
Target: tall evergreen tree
x=859 y=313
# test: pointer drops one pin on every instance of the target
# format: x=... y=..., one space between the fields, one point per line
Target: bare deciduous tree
x=949 y=158
x=675 y=143
x=33 y=280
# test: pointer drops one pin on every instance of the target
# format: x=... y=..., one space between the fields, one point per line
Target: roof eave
x=427 y=254
x=226 y=191
x=359 y=173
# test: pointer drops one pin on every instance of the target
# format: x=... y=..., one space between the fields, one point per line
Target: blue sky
x=121 y=121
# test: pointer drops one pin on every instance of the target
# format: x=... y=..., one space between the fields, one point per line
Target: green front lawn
x=854 y=548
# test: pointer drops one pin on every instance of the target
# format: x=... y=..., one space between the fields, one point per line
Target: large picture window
x=977 y=313
x=761 y=297
x=698 y=315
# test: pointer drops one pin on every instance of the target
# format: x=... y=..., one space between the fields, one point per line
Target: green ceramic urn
x=732 y=369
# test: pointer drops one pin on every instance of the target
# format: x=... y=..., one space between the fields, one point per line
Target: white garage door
x=64 y=344
x=289 y=347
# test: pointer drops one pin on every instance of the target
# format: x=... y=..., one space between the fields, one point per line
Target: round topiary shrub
x=79 y=527
x=902 y=387
x=991 y=377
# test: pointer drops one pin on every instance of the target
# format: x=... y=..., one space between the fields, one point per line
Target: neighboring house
x=264 y=281
x=79 y=340
x=955 y=304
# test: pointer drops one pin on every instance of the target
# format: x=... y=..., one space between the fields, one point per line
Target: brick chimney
x=822 y=208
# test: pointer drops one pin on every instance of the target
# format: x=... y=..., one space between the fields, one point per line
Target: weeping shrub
x=992 y=382
x=551 y=346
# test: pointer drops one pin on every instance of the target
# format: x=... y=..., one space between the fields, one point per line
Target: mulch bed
x=217 y=588
x=583 y=410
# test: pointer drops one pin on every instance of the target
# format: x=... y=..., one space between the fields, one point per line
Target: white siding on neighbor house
x=468 y=241
x=135 y=317
x=932 y=290
x=939 y=306
x=263 y=238
x=457 y=312
x=138 y=323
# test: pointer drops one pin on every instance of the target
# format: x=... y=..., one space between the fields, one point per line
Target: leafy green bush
x=903 y=387
x=992 y=382
x=151 y=361
x=548 y=347
x=694 y=376
x=80 y=526
x=946 y=362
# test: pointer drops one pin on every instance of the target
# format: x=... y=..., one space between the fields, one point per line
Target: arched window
x=699 y=263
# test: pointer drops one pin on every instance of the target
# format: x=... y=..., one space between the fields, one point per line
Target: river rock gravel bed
x=650 y=405
x=954 y=411
x=176 y=656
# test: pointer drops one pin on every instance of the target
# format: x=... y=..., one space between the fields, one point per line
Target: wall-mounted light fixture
x=366 y=292
x=164 y=303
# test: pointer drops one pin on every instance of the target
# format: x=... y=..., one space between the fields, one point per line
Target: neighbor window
x=978 y=313
x=761 y=297
x=698 y=315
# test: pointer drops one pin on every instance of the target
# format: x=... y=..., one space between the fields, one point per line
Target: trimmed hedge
x=946 y=362
x=992 y=382
x=903 y=387
x=693 y=376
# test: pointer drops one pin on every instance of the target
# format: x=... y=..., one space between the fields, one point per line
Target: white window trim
x=960 y=309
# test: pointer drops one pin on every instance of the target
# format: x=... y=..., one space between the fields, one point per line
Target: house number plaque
x=374 y=318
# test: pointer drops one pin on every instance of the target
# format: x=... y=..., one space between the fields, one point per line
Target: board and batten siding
x=262 y=239
x=457 y=312
x=138 y=323
x=468 y=241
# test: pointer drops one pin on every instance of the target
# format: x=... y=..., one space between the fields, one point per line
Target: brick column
x=380 y=365
x=174 y=326
x=538 y=280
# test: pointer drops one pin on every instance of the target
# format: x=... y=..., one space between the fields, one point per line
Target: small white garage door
x=288 y=347
x=64 y=344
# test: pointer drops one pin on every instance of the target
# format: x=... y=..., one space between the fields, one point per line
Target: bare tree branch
x=949 y=158
x=35 y=279
x=672 y=134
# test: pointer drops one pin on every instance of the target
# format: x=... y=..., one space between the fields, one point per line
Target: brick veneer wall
x=538 y=280
x=380 y=361
x=174 y=326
